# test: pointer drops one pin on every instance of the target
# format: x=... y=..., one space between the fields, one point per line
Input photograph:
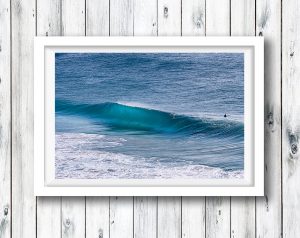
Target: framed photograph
x=149 y=116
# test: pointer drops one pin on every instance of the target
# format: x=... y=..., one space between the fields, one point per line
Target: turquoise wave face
x=133 y=119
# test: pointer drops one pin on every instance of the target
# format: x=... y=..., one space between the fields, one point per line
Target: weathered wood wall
x=274 y=215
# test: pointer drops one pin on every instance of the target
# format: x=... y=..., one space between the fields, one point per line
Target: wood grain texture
x=268 y=208
x=291 y=118
x=169 y=17
x=145 y=217
x=97 y=17
x=48 y=223
x=145 y=17
x=193 y=217
x=218 y=17
x=73 y=217
x=242 y=208
x=169 y=217
x=48 y=22
x=23 y=200
x=217 y=208
x=97 y=217
x=121 y=217
x=121 y=17
x=73 y=17
x=193 y=17
x=5 y=120
x=48 y=19
x=217 y=217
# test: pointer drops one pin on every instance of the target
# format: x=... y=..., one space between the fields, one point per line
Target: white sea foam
x=84 y=156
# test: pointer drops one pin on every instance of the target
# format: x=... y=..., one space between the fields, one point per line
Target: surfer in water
x=225 y=115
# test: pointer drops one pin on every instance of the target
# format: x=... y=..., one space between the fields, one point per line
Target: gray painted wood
x=268 y=208
x=23 y=201
x=290 y=118
x=5 y=120
x=21 y=216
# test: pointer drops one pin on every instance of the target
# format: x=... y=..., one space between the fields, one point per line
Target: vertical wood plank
x=121 y=17
x=242 y=208
x=5 y=120
x=145 y=17
x=73 y=217
x=97 y=17
x=193 y=217
x=218 y=208
x=169 y=208
x=48 y=217
x=217 y=217
x=48 y=18
x=73 y=17
x=193 y=17
x=218 y=17
x=73 y=208
x=97 y=208
x=145 y=208
x=193 y=208
x=242 y=18
x=97 y=217
x=268 y=208
x=145 y=217
x=121 y=217
x=23 y=200
x=48 y=208
x=169 y=217
x=290 y=117
x=169 y=17
x=121 y=208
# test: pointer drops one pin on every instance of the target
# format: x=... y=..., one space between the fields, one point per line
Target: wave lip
x=138 y=119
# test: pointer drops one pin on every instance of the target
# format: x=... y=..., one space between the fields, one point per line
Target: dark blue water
x=150 y=115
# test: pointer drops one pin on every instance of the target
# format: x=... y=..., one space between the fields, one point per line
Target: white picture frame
x=45 y=183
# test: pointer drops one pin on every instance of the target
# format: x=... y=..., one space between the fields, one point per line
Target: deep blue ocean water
x=149 y=115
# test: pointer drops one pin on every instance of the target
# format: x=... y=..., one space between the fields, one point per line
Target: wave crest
x=133 y=119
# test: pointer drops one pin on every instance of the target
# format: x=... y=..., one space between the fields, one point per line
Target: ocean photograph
x=149 y=115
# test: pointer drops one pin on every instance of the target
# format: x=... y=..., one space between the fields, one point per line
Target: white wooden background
x=275 y=215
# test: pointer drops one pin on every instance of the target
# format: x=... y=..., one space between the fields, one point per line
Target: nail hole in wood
x=292 y=54
x=267 y=202
x=270 y=120
x=166 y=12
x=100 y=233
x=68 y=222
x=5 y=210
x=294 y=148
x=293 y=140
